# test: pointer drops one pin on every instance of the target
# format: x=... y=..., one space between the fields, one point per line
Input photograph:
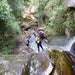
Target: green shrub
x=41 y=14
x=57 y=20
x=69 y=22
x=9 y=26
x=6 y=50
x=7 y=20
x=17 y=6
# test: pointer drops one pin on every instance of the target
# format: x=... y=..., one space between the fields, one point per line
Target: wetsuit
x=39 y=44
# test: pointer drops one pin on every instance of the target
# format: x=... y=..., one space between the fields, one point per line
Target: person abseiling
x=39 y=44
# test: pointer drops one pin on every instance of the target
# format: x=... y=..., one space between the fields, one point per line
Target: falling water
x=69 y=44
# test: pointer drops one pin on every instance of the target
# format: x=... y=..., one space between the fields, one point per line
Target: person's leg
x=41 y=47
x=27 y=43
x=38 y=48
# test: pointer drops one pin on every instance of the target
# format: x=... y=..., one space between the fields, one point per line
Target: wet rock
x=12 y=64
x=26 y=24
x=37 y=64
x=71 y=58
x=62 y=63
x=40 y=65
x=41 y=31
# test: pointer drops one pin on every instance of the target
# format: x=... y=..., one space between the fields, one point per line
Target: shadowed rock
x=73 y=48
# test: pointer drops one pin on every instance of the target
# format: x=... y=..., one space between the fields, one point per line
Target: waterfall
x=61 y=43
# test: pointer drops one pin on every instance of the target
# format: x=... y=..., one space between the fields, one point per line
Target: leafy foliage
x=41 y=13
x=6 y=50
x=57 y=20
x=69 y=22
x=17 y=6
x=56 y=15
x=52 y=13
x=7 y=20
x=8 y=25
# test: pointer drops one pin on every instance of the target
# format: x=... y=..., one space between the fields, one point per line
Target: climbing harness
x=38 y=42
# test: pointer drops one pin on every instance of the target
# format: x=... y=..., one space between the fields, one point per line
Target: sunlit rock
x=28 y=16
x=29 y=12
x=71 y=3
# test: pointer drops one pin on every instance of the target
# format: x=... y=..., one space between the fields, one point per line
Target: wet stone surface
x=37 y=64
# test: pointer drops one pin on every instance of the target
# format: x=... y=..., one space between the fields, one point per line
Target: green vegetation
x=69 y=22
x=41 y=14
x=57 y=20
x=6 y=50
x=8 y=26
x=10 y=13
x=17 y=6
x=55 y=15
x=7 y=19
